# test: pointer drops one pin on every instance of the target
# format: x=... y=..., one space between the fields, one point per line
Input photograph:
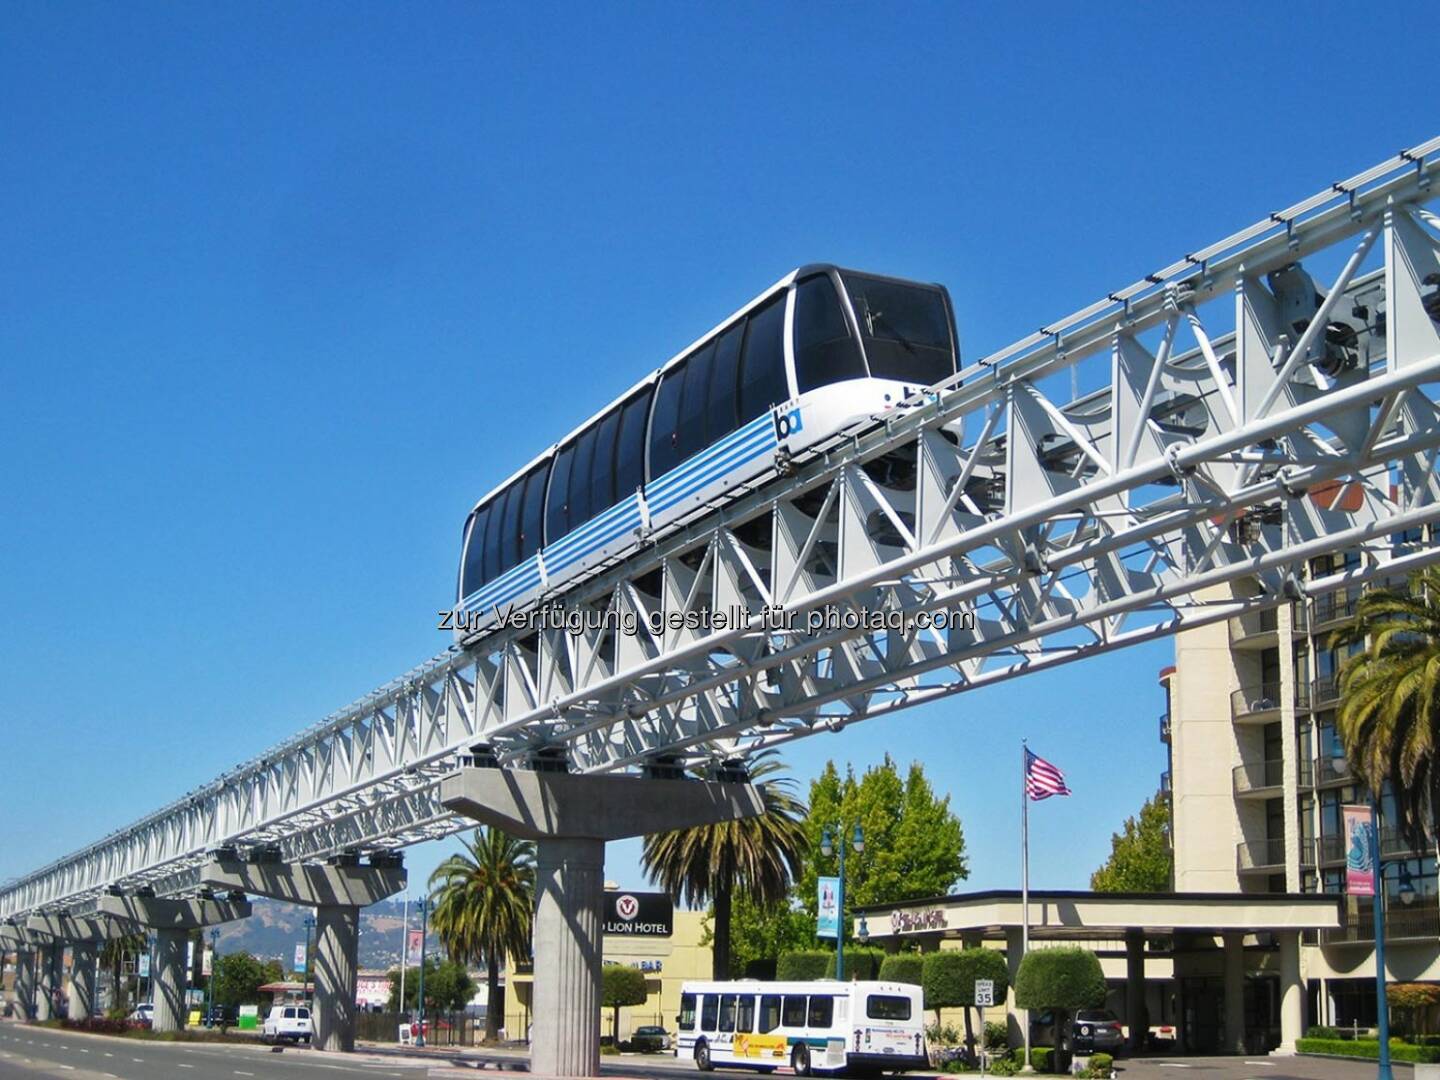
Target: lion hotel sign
x=639 y=914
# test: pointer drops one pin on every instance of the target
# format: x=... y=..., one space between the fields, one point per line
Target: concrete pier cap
x=337 y=890
x=570 y=817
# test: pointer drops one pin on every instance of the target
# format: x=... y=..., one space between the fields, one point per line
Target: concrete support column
x=971 y=939
x=1292 y=992
x=1135 y=1012
x=337 y=949
x=1235 y=992
x=45 y=981
x=1015 y=1017
x=25 y=982
x=84 y=957
x=569 y=895
x=170 y=982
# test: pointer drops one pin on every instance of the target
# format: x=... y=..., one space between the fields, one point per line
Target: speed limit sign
x=984 y=992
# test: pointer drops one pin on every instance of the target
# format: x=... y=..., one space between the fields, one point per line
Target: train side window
x=690 y=430
x=473 y=575
x=663 y=456
x=825 y=350
x=556 y=519
x=510 y=537
x=532 y=515
x=769 y=1013
x=602 y=467
x=822 y=1011
x=723 y=409
x=492 y=537
x=580 y=506
x=762 y=366
x=630 y=446
x=709 y=1011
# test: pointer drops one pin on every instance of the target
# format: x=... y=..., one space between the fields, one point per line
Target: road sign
x=984 y=992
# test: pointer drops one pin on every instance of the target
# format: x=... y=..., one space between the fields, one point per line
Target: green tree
x=759 y=933
x=448 y=987
x=906 y=967
x=621 y=985
x=484 y=900
x=1061 y=979
x=1414 y=1002
x=914 y=845
x=758 y=856
x=238 y=978
x=1389 y=714
x=949 y=978
x=1141 y=859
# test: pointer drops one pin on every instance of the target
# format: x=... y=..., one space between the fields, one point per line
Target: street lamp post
x=827 y=848
x=305 y=975
x=210 y=990
x=420 y=982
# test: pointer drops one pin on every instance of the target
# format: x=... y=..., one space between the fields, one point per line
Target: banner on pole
x=827 y=919
x=412 y=951
x=143 y=969
x=207 y=961
x=300 y=956
x=1360 y=851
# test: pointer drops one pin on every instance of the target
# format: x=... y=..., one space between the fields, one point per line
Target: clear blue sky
x=284 y=288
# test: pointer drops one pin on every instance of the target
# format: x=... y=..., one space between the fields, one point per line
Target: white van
x=813 y=1027
x=288 y=1023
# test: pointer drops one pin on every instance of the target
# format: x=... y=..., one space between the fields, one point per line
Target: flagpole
x=1024 y=885
x=404 y=952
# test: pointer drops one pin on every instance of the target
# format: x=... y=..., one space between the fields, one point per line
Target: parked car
x=650 y=1037
x=1096 y=1029
x=143 y=1013
x=287 y=1023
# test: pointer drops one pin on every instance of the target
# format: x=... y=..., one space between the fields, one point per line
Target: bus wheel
x=800 y=1061
x=702 y=1056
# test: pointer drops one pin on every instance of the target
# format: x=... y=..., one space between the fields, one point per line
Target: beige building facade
x=1258 y=778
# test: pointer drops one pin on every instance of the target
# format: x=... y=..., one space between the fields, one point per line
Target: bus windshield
x=906 y=329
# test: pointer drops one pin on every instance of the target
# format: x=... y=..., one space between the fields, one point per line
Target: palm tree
x=759 y=855
x=1388 y=719
x=112 y=956
x=484 y=902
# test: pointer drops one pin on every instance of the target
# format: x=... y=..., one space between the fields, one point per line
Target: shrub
x=1042 y=1058
x=1321 y=1031
x=805 y=965
x=996 y=1036
x=949 y=978
x=1004 y=1067
x=1099 y=1067
x=941 y=1034
x=903 y=968
x=860 y=963
x=1368 y=1049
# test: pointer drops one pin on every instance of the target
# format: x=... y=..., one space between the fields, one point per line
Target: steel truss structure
x=1244 y=420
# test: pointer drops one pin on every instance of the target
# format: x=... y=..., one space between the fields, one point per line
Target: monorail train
x=819 y=350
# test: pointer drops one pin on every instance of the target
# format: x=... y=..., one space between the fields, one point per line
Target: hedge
x=806 y=965
x=1368 y=1049
x=860 y=963
x=902 y=968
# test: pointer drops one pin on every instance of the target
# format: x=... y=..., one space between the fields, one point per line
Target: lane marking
x=238 y=1072
x=182 y=1065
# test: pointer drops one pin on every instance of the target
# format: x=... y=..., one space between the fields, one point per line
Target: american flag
x=1042 y=779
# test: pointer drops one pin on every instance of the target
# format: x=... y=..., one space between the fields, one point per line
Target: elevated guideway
x=1261 y=401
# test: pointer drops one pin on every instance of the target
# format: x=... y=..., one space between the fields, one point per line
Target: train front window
x=825 y=350
x=905 y=328
x=473 y=576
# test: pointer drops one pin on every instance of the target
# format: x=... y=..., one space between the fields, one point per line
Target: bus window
x=822 y=1011
x=492 y=537
x=630 y=446
x=887 y=1007
x=745 y=1014
x=825 y=350
x=472 y=577
x=510 y=535
x=727 y=1012
x=580 y=508
x=769 y=1013
x=906 y=329
x=557 y=522
x=722 y=412
x=532 y=512
x=690 y=431
x=687 y=1012
x=663 y=456
x=793 y=1015
x=709 y=1010
x=762 y=365
x=602 y=467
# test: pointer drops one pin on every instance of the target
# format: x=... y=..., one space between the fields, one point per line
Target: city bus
x=854 y=1028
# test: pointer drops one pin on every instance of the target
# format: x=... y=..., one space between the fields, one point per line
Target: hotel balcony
x=1324 y=691
x=1417 y=921
x=1259 y=703
x=1334 y=608
x=1268 y=856
x=1326 y=773
x=1261 y=629
x=1259 y=779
